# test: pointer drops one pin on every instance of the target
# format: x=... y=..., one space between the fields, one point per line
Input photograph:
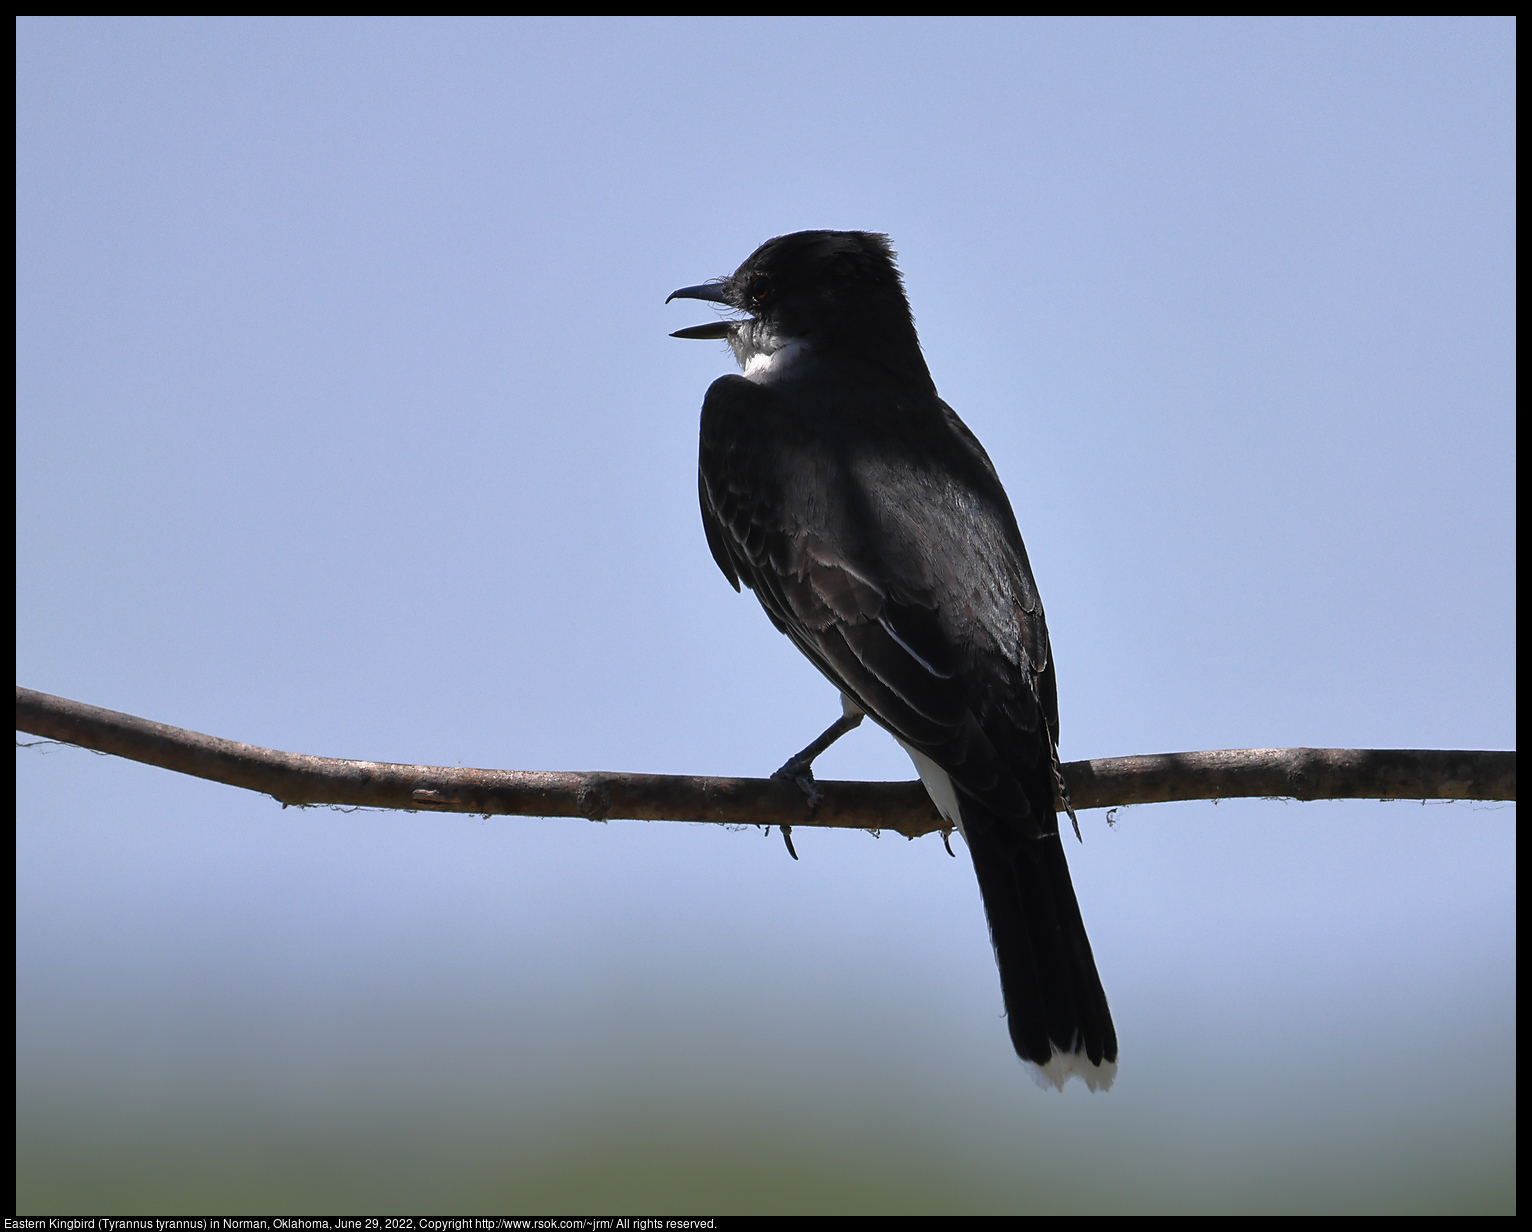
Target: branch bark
x=298 y=778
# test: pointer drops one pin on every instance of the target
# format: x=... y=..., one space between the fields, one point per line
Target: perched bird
x=873 y=528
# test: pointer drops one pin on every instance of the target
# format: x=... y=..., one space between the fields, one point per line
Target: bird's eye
x=760 y=289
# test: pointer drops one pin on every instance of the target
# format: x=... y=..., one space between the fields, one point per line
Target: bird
x=873 y=528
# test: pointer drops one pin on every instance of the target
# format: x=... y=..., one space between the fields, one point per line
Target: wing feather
x=848 y=557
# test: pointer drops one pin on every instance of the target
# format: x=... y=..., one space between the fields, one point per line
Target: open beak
x=713 y=293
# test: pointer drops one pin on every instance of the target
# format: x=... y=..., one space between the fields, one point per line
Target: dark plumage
x=873 y=528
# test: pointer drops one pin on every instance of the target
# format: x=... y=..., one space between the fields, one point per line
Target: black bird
x=872 y=527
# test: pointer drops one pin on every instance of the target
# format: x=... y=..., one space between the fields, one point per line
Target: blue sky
x=348 y=424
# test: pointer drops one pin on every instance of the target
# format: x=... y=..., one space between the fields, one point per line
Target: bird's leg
x=800 y=766
x=1058 y=780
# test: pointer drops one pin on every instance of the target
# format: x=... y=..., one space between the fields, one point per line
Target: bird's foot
x=799 y=771
x=802 y=773
x=800 y=766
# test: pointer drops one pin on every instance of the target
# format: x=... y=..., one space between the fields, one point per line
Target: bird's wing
x=906 y=585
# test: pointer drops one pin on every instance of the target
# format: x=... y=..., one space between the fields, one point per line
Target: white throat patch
x=766 y=366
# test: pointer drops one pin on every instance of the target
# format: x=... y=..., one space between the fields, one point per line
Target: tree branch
x=297 y=778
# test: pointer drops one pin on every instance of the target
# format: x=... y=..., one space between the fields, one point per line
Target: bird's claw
x=787 y=837
x=803 y=774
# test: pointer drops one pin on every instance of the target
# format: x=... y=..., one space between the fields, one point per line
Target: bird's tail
x=1056 y=1006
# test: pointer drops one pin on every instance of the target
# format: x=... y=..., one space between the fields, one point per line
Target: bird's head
x=833 y=292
